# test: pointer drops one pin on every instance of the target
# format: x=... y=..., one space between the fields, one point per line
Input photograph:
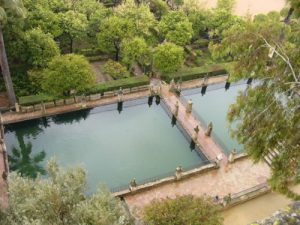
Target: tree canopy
x=60 y=199
x=176 y=27
x=40 y=48
x=168 y=57
x=74 y=74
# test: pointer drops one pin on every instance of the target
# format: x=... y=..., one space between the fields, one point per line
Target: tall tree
x=112 y=31
x=176 y=27
x=74 y=74
x=8 y=8
x=168 y=57
x=268 y=114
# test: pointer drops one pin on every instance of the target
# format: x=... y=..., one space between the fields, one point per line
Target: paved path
x=232 y=178
x=11 y=117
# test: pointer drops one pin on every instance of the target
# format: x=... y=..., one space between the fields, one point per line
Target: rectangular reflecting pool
x=113 y=146
x=213 y=107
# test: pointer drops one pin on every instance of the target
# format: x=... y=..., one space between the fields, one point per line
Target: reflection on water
x=69 y=118
x=113 y=148
x=23 y=161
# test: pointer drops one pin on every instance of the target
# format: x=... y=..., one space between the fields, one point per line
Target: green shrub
x=90 y=52
x=34 y=99
x=183 y=210
x=116 y=84
x=196 y=73
x=115 y=70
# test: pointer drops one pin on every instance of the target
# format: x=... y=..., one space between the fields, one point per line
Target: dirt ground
x=97 y=67
x=252 y=7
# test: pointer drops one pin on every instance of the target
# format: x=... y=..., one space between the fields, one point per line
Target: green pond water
x=113 y=147
x=213 y=107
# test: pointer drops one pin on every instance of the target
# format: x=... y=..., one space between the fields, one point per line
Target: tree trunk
x=117 y=51
x=6 y=72
x=71 y=44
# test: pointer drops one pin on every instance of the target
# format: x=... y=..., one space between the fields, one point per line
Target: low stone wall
x=183 y=175
x=77 y=99
x=243 y=196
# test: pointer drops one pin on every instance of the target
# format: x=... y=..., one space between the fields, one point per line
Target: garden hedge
x=34 y=99
x=196 y=73
x=98 y=88
x=116 y=84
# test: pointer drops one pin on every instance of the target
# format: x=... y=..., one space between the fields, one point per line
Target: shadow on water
x=23 y=161
x=69 y=118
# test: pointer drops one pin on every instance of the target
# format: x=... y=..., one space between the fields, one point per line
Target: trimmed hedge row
x=35 y=99
x=98 y=88
x=196 y=73
x=116 y=84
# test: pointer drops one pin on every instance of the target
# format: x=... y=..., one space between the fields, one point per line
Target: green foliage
x=135 y=50
x=168 y=57
x=195 y=73
x=112 y=31
x=268 y=114
x=116 y=84
x=221 y=20
x=115 y=69
x=60 y=199
x=139 y=15
x=227 y=5
x=34 y=99
x=175 y=27
x=40 y=16
x=9 y=8
x=74 y=74
x=40 y=48
x=295 y=4
x=158 y=8
x=73 y=25
x=183 y=210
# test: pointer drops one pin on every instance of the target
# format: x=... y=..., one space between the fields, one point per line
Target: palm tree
x=7 y=8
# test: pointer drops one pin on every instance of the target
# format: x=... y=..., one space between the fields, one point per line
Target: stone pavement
x=232 y=178
x=207 y=145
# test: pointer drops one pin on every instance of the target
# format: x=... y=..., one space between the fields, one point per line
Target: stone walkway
x=210 y=149
x=11 y=117
x=230 y=178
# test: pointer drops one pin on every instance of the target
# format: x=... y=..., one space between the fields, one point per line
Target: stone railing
x=134 y=188
x=77 y=99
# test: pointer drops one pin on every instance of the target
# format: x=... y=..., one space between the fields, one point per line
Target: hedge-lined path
x=100 y=76
x=232 y=178
x=207 y=145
